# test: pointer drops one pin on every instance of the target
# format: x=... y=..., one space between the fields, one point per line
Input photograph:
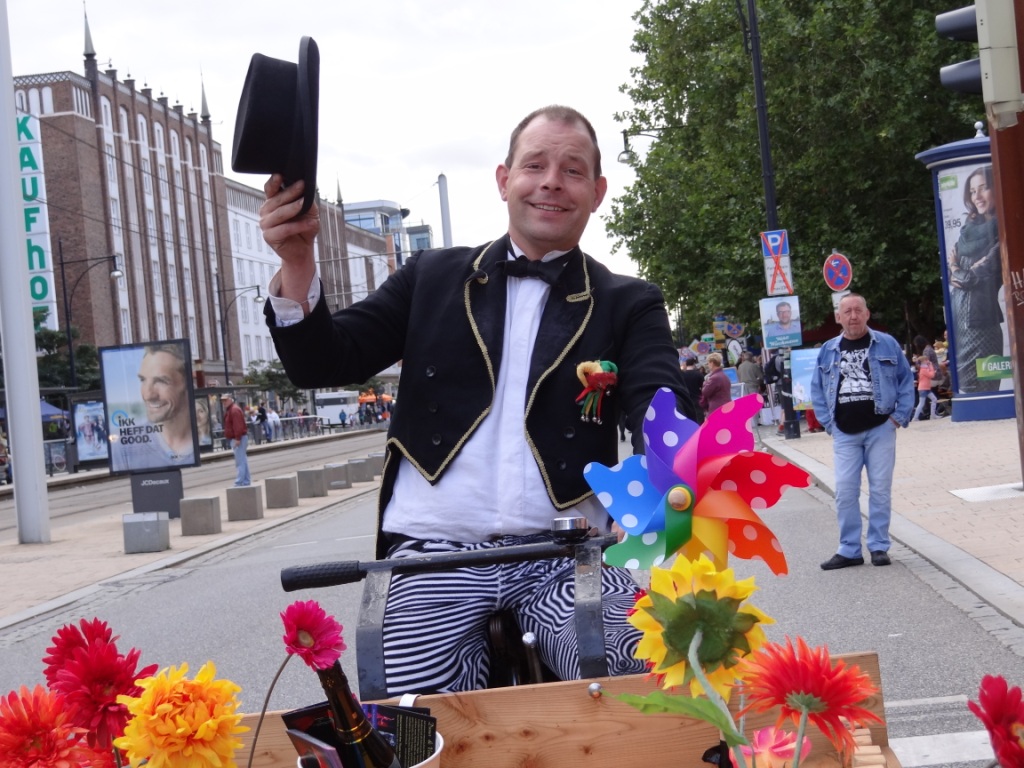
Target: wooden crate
x=559 y=724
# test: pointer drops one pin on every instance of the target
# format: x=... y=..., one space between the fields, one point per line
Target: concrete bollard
x=200 y=516
x=377 y=462
x=146 y=532
x=245 y=503
x=337 y=476
x=360 y=471
x=282 y=491
x=311 y=483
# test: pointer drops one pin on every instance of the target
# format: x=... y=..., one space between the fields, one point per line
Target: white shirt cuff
x=286 y=311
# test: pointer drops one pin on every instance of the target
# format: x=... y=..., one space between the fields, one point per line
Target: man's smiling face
x=551 y=187
x=162 y=385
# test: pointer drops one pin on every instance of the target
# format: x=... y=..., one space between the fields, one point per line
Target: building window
x=247 y=346
x=176 y=320
x=126 y=328
x=172 y=279
x=161 y=328
x=158 y=289
x=244 y=306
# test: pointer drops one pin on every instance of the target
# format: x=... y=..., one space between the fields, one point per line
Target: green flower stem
x=710 y=692
x=800 y=736
x=263 y=711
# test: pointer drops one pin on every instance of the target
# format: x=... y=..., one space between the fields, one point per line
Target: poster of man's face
x=151 y=416
x=973 y=272
x=780 y=322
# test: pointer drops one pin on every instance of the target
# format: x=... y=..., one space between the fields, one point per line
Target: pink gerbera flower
x=773 y=747
x=311 y=634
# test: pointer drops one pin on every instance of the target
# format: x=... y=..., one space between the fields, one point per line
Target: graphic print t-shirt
x=855 y=402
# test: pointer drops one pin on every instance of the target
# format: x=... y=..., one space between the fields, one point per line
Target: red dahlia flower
x=91 y=682
x=36 y=732
x=68 y=639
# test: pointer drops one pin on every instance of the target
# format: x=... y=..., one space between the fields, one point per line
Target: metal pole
x=1008 y=164
x=67 y=314
x=16 y=322
x=791 y=424
x=446 y=218
x=761 y=105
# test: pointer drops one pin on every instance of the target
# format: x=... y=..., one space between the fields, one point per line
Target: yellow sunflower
x=182 y=723
x=692 y=596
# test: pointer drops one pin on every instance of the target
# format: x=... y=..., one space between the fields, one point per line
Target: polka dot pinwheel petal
x=665 y=432
x=725 y=480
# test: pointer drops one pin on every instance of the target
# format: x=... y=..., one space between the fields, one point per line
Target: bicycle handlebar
x=334 y=573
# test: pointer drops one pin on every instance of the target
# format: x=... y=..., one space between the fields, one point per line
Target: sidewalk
x=957 y=500
x=81 y=555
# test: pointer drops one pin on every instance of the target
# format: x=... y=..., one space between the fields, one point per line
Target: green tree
x=852 y=92
x=53 y=366
x=269 y=376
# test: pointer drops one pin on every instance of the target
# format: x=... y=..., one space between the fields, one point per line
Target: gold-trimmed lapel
x=485 y=299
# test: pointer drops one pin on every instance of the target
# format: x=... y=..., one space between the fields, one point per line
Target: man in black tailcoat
x=487 y=444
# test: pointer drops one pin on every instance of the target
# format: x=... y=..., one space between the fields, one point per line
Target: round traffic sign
x=838 y=272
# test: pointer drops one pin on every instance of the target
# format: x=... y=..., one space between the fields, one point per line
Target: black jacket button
x=435 y=439
x=570 y=433
x=432 y=407
x=431 y=370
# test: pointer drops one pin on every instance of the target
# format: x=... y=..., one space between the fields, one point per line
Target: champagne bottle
x=359 y=744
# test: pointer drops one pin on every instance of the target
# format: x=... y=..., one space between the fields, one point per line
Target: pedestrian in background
x=236 y=432
x=750 y=374
x=863 y=391
x=925 y=375
x=717 y=389
x=693 y=379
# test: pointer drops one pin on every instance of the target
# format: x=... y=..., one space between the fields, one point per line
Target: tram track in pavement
x=78 y=496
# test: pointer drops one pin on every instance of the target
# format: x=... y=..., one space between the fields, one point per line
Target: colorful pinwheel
x=696 y=489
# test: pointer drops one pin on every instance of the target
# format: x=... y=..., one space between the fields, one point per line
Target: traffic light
x=961 y=24
x=996 y=72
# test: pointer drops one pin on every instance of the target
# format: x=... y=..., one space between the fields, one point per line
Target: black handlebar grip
x=321 y=575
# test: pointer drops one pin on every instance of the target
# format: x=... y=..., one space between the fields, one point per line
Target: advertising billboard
x=973 y=264
x=150 y=415
x=90 y=431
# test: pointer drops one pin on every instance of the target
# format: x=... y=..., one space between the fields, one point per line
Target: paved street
x=941 y=617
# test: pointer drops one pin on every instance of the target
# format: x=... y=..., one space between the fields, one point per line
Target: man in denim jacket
x=862 y=391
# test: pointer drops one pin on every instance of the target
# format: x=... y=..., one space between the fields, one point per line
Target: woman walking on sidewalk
x=925 y=374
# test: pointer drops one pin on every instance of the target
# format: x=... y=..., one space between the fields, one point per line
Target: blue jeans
x=874 y=450
x=241 y=461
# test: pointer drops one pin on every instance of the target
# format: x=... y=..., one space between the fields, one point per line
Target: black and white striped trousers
x=435 y=624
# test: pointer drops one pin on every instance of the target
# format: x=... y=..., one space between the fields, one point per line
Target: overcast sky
x=409 y=89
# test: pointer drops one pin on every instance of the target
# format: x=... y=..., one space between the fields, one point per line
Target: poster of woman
x=974 y=269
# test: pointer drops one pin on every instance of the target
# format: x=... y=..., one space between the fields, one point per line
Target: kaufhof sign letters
x=36 y=219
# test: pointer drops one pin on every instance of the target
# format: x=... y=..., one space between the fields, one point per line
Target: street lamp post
x=258 y=299
x=115 y=273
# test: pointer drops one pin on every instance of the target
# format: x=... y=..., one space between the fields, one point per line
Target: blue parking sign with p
x=775 y=243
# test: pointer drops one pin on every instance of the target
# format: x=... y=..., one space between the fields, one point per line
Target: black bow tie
x=548 y=271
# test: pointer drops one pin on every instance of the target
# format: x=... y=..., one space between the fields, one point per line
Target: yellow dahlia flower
x=692 y=596
x=182 y=723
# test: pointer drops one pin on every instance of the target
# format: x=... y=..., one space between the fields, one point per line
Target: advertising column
x=978 y=355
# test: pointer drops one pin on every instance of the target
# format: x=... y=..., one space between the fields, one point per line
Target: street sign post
x=837 y=271
x=778 y=274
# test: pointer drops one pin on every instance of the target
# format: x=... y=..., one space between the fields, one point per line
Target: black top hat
x=276 y=126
